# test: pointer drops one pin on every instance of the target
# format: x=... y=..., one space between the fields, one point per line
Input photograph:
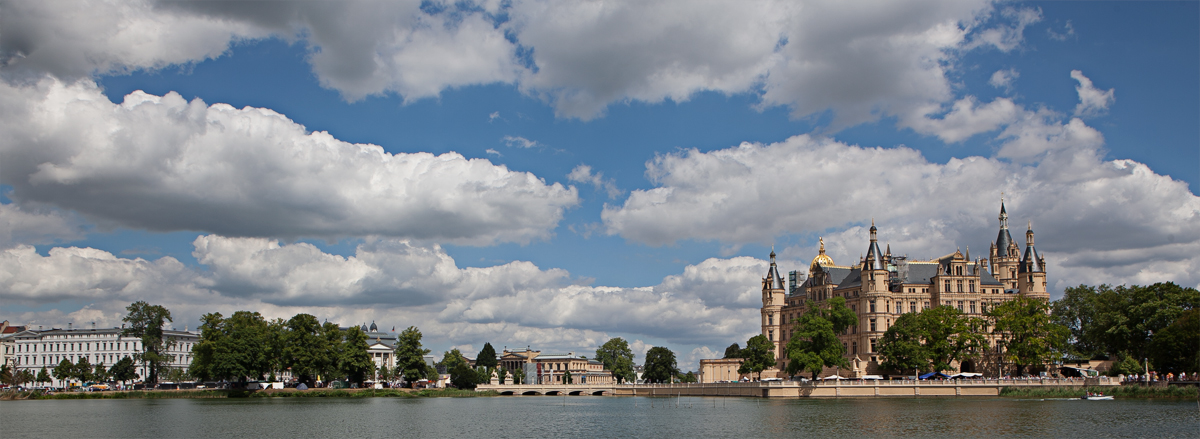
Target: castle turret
x=1004 y=256
x=774 y=296
x=1031 y=276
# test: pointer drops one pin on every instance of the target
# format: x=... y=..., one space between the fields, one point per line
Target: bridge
x=792 y=389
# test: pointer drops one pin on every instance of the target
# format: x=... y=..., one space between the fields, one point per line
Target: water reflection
x=586 y=416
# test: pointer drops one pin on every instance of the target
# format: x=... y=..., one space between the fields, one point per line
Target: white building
x=35 y=348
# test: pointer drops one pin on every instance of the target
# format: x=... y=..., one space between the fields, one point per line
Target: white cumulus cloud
x=163 y=163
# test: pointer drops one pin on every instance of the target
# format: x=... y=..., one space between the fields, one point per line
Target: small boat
x=1098 y=397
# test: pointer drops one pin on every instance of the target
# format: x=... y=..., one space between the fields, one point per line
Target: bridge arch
x=531 y=392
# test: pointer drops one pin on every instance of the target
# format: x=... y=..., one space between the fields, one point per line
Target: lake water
x=594 y=416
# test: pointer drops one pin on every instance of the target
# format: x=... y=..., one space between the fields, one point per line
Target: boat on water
x=1097 y=397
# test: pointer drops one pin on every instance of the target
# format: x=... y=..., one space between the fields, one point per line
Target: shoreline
x=267 y=393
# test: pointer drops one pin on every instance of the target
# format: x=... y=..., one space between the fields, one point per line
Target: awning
x=933 y=375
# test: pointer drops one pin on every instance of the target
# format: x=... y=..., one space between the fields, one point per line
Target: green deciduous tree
x=462 y=375
x=660 y=366
x=733 y=351
x=1106 y=321
x=64 y=371
x=335 y=347
x=234 y=348
x=146 y=322
x=932 y=339
x=902 y=346
x=305 y=350
x=814 y=344
x=124 y=370
x=759 y=355
x=1028 y=335
x=355 y=362
x=43 y=376
x=617 y=358
x=82 y=370
x=1176 y=348
x=410 y=355
x=688 y=378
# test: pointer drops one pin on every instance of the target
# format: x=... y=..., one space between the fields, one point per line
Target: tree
x=759 y=355
x=23 y=376
x=64 y=371
x=355 y=362
x=617 y=358
x=814 y=344
x=335 y=347
x=43 y=376
x=410 y=356
x=1028 y=336
x=688 y=378
x=305 y=351
x=1176 y=348
x=660 y=365
x=123 y=370
x=1126 y=318
x=100 y=373
x=487 y=357
x=82 y=370
x=234 y=348
x=950 y=336
x=146 y=322
x=462 y=375
x=7 y=375
x=733 y=351
x=902 y=346
x=1077 y=311
x=1125 y=364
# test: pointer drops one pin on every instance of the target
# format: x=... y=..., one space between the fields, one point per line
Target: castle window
x=872 y=330
x=972 y=307
x=947 y=286
x=887 y=306
x=971 y=283
x=926 y=304
x=958 y=271
x=770 y=319
x=771 y=335
x=872 y=307
x=960 y=289
x=912 y=306
x=854 y=348
x=872 y=348
x=960 y=306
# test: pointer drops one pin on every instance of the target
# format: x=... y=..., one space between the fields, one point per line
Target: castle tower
x=1004 y=256
x=874 y=267
x=1031 y=276
x=773 y=298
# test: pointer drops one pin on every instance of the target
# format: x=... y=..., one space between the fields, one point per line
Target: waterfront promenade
x=793 y=389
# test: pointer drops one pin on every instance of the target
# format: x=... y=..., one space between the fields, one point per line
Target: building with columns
x=882 y=287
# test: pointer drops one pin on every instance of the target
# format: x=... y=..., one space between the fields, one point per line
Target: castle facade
x=882 y=287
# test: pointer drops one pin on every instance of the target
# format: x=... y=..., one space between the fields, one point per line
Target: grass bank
x=218 y=393
x=1117 y=391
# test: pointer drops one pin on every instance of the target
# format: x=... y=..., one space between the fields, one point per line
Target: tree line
x=1138 y=326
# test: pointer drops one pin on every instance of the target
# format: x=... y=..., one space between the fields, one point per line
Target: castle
x=881 y=287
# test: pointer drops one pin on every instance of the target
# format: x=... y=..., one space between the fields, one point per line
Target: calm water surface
x=584 y=416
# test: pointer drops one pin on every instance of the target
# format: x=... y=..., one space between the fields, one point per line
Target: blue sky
x=557 y=174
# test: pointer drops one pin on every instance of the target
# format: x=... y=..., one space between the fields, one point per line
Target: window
x=972 y=307
x=872 y=308
x=960 y=305
x=926 y=304
x=960 y=289
x=983 y=307
x=854 y=348
x=887 y=306
x=912 y=306
x=947 y=286
x=770 y=319
x=872 y=330
x=771 y=335
x=971 y=283
x=958 y=271
x=872 y=348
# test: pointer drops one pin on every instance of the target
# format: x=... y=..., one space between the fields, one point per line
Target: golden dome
x=821 y=259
